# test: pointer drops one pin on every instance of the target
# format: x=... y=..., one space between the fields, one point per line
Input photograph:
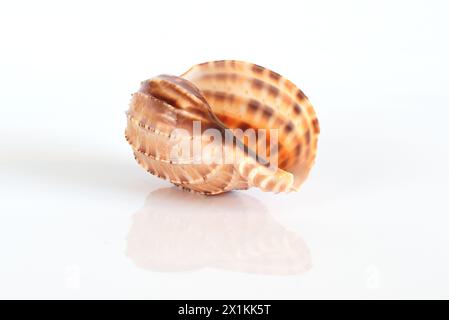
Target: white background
x=80 y=219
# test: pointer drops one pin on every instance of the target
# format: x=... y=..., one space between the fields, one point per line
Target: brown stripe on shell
x=300 y=95
x=289 y=127
x=298 y=149
x=275 y=76
x=254 y=105
x=273 y=90
x=316 y=126
x=268 y=112
x=258 y=84
x=307 y=137
x=296 y=108
x=258 y=69
x=220 y=63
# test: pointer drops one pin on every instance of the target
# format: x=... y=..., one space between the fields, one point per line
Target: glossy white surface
x=79 y=219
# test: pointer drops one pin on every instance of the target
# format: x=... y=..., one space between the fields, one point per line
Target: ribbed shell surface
x=223 y=95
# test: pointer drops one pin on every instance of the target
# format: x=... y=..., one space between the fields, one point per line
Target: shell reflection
x=231 y=231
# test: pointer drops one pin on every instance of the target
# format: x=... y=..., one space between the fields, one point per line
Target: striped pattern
x=223 y=94
x=243 y=94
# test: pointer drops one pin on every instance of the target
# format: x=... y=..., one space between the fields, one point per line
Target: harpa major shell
x=185 y=129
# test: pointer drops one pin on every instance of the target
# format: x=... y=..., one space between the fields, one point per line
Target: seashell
x=178 y=127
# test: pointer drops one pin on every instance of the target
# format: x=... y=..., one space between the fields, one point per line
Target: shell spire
x=224 y=125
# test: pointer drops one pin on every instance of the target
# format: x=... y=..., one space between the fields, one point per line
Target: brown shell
x=223 y=95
